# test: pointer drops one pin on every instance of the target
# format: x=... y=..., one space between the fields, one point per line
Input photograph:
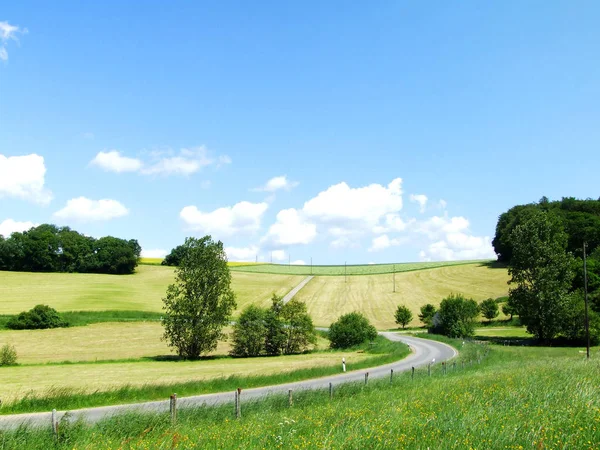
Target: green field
x=359 y=269
x=142 y=291
x=519 y=397
x=329 y=297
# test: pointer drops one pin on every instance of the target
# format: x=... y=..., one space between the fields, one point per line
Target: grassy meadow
x=337 y=270
x=142 y=291
x=329 y=297
x=518 y=397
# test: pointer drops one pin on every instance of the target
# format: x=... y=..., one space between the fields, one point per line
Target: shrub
x=403 y=316
x=8 y=355
x=38 y=318
x=456 y=317
x=351 y=329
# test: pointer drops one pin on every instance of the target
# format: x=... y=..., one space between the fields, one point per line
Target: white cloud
x=114 y=162
x=298 y=262
x=278 y=255
x=10 y=226
x=290 y=228
x=243 y=217
x=382 y=242
x=83 y=209
x=436 y=226
x=154 y=253
x=365 y=205
x=241 y=254
x=186 y=162
x=421 y=199
x=392 y=223
x=276 y=184
x=24 y=177
x=8 y=32
x=459 y=246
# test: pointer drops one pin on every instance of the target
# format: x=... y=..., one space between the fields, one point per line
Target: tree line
x=48 y=248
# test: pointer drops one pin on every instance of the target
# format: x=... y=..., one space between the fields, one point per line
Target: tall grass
x=517 y=398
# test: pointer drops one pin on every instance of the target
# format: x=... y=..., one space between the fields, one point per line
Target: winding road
x=423 y=352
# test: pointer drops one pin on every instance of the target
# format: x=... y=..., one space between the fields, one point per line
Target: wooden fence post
x=290 y=398
x=429 y=369
x=366 y=377
x=444 y=367
x=330 y=391
x=391 y=375
x=173 y=408
x=412 y=377
x=54 y=425
x=238 y=404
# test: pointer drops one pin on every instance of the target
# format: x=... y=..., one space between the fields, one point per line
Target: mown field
x=329 y=297
x=359 y=269
x=517 y=398
x=141 y=291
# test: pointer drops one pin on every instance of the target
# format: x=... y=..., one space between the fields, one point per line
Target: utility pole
x=345 y=272
x=394 y=277
x=587 y=321
x=311 y=265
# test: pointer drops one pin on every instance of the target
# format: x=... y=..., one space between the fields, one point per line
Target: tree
x=427 y=313
x=456 y=317
x=542 y=271
x=275 y=334
x=508 y=310
x=403 y=315
x=350 y=330
x=199 y=304
x=175 y=257
x=298 y=329
x=489 y=309
x=249 y=332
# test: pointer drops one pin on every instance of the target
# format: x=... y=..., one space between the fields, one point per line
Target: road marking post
x=343 y=364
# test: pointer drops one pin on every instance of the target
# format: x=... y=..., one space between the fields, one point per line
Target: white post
x=343 y=364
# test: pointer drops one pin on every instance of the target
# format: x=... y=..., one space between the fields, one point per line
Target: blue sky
x=390 y=131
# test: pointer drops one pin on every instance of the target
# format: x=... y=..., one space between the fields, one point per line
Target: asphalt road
x=423 y=352
x=290 y=295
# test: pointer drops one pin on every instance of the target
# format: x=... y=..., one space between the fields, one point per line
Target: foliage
x=38 y=318
x=456 y=317
x=8 y=355
x=508 y=309
x=249 y=332
x=573 y=324
x=299 y=330
x=542 y=271
x=274 y=332
x=403 y=315
x=199 y=304
x=580 y=220
x=48 y=248
x=489 y=309
x=351 y=329
x=175 y=256
x=427 y=313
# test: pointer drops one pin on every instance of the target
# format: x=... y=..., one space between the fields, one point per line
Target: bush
x=8 y=355
x=351 y=329
x=403 y=316
x=456 y=317
x=38 y=318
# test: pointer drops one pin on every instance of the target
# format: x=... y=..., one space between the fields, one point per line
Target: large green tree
x=541 y=269
x=456 y=317
x=489 y=309
x=199 y=304
x=249 y=332
x=403 y=315
x=427 y=313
